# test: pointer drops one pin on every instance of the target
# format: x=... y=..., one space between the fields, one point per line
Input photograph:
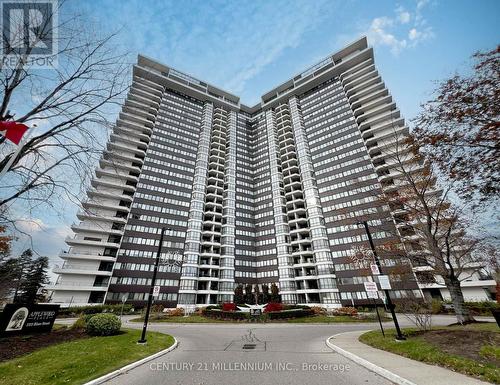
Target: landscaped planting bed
x=472 y=349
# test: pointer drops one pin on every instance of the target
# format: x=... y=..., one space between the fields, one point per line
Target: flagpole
x=14 y=156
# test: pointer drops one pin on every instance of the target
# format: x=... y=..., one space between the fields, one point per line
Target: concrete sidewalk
x=394 y=367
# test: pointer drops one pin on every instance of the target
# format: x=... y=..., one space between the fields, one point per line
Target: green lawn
x=337 y=318
x=181 y=319
x=450 y=352
x=82 y=360
x=312 y=319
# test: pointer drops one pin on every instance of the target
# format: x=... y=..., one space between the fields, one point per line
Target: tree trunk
x=498 y=292
x=457 y=298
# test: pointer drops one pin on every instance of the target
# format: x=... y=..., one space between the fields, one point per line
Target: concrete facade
x=251 y=195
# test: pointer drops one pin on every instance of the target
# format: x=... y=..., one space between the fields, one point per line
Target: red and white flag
x=12 y=130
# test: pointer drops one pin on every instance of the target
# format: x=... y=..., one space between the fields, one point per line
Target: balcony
x=133 y=118
x=212 y=212
x=105 y=206
x=358 y=70
x=116 y=184
x=89 y=215
x=146 y=85
x=136 y=101
x=388 y=134
x=98 y=193
x=299 y=276
x=211 y=242
x=210 y=251
x=138 y=112
x=361 y=83
x=301 y=250
x=120 y=147
x=138 y=128
x=86 y=242
x=127 y=157
x=81 y=270
x=305 y=263
x=145 y=94
x=113 y=174
x=207 y=278
x=295 y=220
x=80 y=228
x=109 y=164
x=368 y=99
x=129 y=141
x=293 y=185
x=87 y=256
x=77 y=287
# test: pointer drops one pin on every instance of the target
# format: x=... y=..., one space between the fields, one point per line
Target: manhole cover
x=238 y=346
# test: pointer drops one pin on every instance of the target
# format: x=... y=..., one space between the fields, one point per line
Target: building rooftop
x=325 y=69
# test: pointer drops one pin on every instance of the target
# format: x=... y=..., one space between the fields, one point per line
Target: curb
x=367 y=364
x=131 y=366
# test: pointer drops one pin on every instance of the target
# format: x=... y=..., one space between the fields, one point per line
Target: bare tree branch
x=68 y=108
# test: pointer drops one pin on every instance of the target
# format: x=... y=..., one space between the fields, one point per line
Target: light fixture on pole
x=124 y=299
x=391 y=306
x=151 y=289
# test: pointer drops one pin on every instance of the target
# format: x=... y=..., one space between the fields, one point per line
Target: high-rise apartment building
x=250 y=195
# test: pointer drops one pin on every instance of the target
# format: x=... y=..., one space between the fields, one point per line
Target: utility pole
x=150 y=298
x=391 y=306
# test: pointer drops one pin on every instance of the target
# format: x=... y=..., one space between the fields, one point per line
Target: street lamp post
x=391 y=306
x=378 y=317
x=124 y=299
x=151 y=289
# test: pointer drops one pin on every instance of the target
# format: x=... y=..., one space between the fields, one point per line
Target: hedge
x=81 y=323
x=293 y=313
x=481 y=308
x=292 y=307
x=220 y=314
x=475 y=308
x=104 y=324
x=77 y=310
x=273 y=315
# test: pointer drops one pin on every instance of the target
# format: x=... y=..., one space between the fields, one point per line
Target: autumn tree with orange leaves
x=5 y=241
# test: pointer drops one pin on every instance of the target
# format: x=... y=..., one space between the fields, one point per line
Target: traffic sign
x=384 y=282
x=372 y=294
x=156 y=291
x=375 y=270
x=370 y=287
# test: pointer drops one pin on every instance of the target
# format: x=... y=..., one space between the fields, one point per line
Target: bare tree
x=435 y=233
x=418 y=312
x=459 y=129
x=68 y=110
